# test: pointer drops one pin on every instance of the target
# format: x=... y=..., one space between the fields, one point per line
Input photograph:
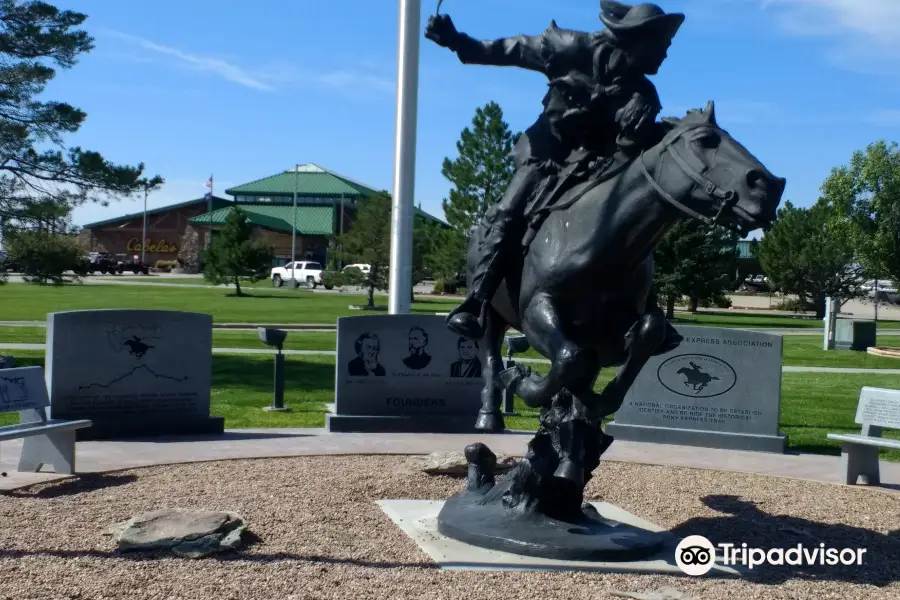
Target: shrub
x=164 y=266
x=333 y=279
x=792 y=305
x=44 y=257
x=445 y=286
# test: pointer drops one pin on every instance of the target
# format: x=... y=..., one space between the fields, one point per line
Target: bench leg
x=56 y=449
x=860 y=462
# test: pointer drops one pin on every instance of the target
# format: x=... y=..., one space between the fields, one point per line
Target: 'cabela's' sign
x=162 y=246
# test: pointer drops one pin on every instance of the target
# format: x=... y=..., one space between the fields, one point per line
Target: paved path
x=785 y=369
x=95 y=457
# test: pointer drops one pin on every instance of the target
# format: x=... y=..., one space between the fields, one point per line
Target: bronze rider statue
x=599 y=98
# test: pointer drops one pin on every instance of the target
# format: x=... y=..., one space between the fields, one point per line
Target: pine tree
x=368 y=241
x=234 y=254
x=696 y=262
x=36 y=170
x=479 y=176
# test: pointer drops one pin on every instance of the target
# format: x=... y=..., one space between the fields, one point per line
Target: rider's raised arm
x=523 y=51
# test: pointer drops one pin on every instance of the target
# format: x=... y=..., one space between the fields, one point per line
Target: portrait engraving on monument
x=365 y=363
x=418 y=357
x=421 y=368
x=468 y=365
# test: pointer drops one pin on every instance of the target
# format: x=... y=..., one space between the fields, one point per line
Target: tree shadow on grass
x=743 y=522
x=308 y=373
x=740 y=322
x=250 y=296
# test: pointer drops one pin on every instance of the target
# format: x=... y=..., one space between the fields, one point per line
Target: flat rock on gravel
x=189 y=533
x=454 y=463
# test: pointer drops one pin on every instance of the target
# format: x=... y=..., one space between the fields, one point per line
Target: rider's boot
x=468 y=319
x=496 y=249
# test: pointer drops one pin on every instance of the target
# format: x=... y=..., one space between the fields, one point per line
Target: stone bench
x=46 y=441
x=878 y=409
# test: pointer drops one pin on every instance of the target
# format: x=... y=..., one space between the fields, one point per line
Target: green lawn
x=25 y=302
x=265 y=283
x=812 y=405
x=799 y=350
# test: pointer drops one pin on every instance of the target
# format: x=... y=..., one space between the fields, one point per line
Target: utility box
x=854 y=334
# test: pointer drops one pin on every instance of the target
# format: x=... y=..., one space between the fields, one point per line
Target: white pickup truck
x=302 y=271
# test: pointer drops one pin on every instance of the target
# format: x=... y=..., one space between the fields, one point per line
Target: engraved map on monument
x=138 y=343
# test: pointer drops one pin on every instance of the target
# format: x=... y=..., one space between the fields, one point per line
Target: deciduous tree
x=803 y=255
x=864 y=197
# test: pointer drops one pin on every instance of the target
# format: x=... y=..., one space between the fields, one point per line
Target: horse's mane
x=667 y=124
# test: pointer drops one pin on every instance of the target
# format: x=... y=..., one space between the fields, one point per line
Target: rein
x=722 y=199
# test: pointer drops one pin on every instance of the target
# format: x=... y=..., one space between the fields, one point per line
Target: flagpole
x=209 y=209
x=294 y=225
x=144 y=229
x=400 y=286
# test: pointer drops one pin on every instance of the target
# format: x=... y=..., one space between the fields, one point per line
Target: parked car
x=131 y=263
x=102 y=262
x=305 y=271
x=363 y=268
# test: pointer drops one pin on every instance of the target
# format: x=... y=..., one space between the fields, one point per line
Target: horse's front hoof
x=490 y=422
x=510 y=378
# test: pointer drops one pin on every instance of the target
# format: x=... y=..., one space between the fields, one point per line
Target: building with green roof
x=326 y=206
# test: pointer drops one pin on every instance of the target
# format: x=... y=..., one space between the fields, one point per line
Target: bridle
x=723 y=200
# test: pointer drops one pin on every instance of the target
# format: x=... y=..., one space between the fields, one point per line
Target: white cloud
x=216 y=66
x=866 y=32
x=267 y=79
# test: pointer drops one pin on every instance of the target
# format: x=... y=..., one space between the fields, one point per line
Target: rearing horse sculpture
x=580 y=294
x=580 y=298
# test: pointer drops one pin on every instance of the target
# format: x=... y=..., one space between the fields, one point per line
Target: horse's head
x=707 y=174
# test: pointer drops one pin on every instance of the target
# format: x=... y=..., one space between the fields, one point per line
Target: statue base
x=588 y=537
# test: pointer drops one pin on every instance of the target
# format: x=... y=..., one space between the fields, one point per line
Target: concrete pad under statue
x=419 y=520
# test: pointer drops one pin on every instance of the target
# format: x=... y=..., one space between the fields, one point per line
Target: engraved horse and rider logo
x=697 y=375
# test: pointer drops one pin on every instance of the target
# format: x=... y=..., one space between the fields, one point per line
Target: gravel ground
x=320 y=534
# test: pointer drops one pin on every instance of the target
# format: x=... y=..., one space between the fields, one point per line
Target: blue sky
x=245 y=90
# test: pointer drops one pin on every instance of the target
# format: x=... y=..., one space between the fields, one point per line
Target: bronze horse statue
x=580 y=294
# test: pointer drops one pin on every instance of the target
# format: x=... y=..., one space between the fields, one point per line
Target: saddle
x=582 y=172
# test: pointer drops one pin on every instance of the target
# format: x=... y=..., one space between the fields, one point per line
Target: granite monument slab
x=721 y=388
x=405 y=373
x=879 y=407
x=22 y=388
x=132 y=372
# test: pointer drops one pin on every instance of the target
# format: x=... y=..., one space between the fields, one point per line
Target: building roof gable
x=217 y=202
x=310 y=181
